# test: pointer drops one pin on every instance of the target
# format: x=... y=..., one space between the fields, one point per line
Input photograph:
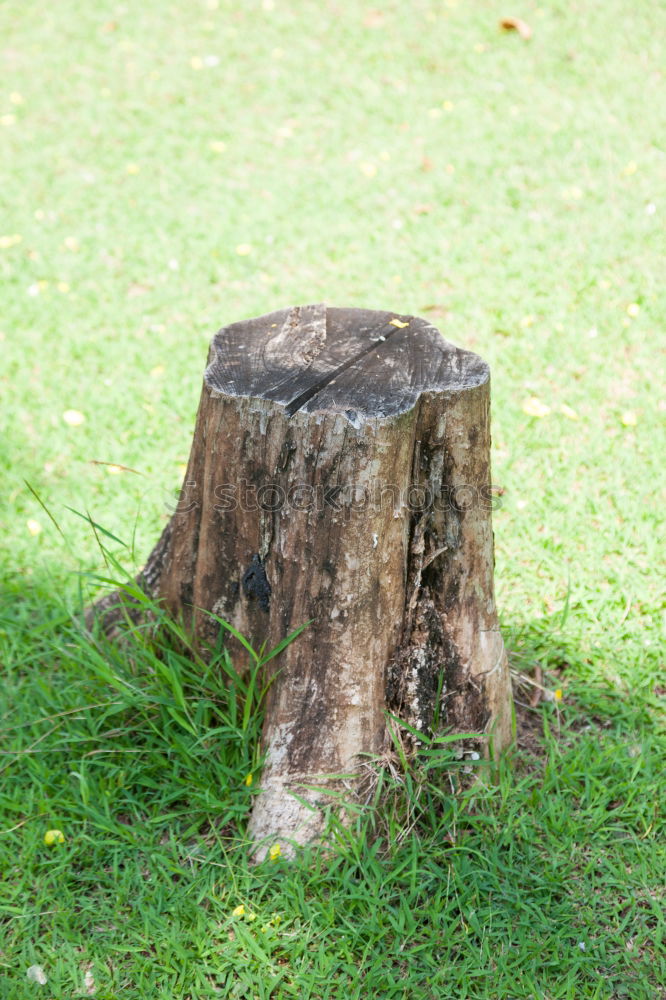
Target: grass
x=414 y=159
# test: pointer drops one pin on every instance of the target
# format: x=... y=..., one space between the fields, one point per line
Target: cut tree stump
x=339 y=474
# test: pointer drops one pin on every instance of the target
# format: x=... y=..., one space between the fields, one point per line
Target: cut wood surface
x=339 y=474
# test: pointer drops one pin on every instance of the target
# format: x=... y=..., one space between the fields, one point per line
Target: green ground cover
x=168 y=168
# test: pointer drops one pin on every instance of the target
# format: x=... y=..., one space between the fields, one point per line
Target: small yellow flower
x=54 y=837
x=34 y=527
x=633 y=309
x=558 y=694
x=630 y=168
x=244 y=249
x=217 y=147
x=248 y=780
x=275 y=852
x=63 y=287
x=251 y=917
x=71 y=243
x=369 y=169
x=239 y=911
x=398 y=322
x=15 y=97
x=132 y=168
x=629 y=419
x=533 y=407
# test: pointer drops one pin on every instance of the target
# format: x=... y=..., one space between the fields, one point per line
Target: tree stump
x=339 y=473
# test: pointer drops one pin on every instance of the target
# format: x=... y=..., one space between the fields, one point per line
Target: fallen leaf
x=517 y=24
x=10 y=241
x=36 y=974
x=373 y=19
x=398 y=322
x=568 y=411
x=435 y=309
x=73 y=417
x=89 y=980
x=533 y=407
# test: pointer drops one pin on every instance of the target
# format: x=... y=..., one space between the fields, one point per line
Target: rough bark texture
x=339 y=472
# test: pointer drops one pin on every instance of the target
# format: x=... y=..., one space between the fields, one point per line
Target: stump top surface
x=364 y=363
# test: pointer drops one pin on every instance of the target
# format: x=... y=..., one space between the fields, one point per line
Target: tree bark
x=339 y=473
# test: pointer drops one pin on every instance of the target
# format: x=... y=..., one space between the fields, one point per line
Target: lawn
x=169 y=168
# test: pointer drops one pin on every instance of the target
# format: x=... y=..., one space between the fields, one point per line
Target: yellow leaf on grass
x=54 y=837
x=398 y=322
x=568 y=411
x=73 y=417
x=533 y=407
x=9 y=241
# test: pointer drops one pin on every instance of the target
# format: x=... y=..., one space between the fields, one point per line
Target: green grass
x=410 y=158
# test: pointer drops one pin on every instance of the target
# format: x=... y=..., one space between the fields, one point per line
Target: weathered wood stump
x=339 y=472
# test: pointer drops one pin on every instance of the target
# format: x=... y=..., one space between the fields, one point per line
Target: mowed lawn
x=172 y=167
